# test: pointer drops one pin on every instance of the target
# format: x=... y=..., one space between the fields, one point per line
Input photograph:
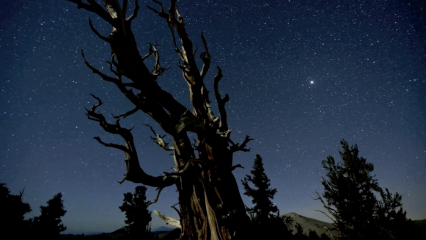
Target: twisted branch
x=158 y=70
x=97 y=33
x=127 y=113
x=205 y=56
x=156 y=198
x=134 y=172
x=94 y=7
x=135 y=12
x=221 y=101
x=159 y=140
x=113 y=145
x=103 y=76
x=240 y=147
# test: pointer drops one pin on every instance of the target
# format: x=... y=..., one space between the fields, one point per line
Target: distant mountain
x=119 y=231
x=308 y=224
x=420 y=223
x=162 y=233
x=163 y=229
x=321 y=227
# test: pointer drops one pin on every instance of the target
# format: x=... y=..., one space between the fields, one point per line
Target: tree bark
x=210 y=203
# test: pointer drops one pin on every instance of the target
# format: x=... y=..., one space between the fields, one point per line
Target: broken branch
x=94 y=70
x=238 y=147
x=96 y=32
x=221 y=101
x=159 y=140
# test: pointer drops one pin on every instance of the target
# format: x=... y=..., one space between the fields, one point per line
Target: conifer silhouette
x=138 y=217
x=349 y=197
x=261 y=194
x=49 y=224
x=13 y=209
x=264 y=214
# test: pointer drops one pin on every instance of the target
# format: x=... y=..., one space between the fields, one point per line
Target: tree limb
x=169 y=220
x=160 y=13
x=185 y=168
x=127 y=113
x=135 y=12
x=158 y=70
x=221 y=101
x=134 y=172
x=236 y=166
x=113 y=145
x=159 y=140
x=94 y=7
x=205 y=56
x=156 y=198
x=94 y=70
x=96 y=32
x=238 y=147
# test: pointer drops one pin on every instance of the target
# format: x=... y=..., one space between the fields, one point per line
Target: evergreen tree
x=350 y=198
x=138 y=217
x=264 y=214
x=261 y=194
x=49 y=224
x=12 y=210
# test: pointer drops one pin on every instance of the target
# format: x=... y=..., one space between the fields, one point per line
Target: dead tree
x=210 y=203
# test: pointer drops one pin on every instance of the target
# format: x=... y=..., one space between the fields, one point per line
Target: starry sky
x=301 y=76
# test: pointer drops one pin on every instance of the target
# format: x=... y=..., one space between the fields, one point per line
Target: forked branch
x=158 y=70
x=135 y=12
x=205 y=56
x=159 y=140
x=97 y=33
x=127 y=113
x=240 y=147
x=94 y=70
x=134 y=172
x=113 y=145
x=221 y=101
x=156 y=198
x=94 y=7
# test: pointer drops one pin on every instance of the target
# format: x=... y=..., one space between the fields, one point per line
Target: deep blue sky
x=301 y=75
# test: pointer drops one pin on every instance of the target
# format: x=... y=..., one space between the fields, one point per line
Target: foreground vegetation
x=350 y=199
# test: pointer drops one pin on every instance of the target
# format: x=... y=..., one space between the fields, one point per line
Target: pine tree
x=138 y=217
x=12 y=210
x=350 y=198
x=261 y=194
x=49 y=224
x=264 y=214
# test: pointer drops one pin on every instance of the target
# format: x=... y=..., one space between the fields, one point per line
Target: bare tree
x=210 y=203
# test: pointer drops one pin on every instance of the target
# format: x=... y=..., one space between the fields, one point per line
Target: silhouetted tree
x=210 y=203
x=350 y=199
x=325 y=236
x=264 y=214
x=12 y=211
x=261 y=194
x=138 y=217
x=49 y=224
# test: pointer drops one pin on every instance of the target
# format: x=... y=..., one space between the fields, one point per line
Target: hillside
x=308 y=224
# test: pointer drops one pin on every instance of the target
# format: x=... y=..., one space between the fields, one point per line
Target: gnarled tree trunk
x=210 y=204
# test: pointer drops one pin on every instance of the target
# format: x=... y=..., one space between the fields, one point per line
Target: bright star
x=312 y=82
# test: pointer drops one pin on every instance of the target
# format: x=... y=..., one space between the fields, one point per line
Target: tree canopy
x=138 y=217
x=49 y=224
x=351 y=199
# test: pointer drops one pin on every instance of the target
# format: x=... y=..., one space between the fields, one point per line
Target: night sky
x=301 y=76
